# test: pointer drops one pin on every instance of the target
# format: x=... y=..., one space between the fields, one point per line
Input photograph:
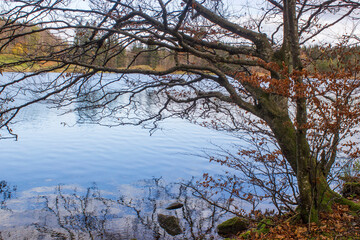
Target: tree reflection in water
x=6 y=193
x=77 y=216
x=74 y=214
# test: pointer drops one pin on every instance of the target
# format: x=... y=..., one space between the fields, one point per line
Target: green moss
x=263 y=226
x=232 y=227
x=247 y=234
x=353 y=206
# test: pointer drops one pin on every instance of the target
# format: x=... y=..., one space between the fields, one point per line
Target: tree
x=230 y=71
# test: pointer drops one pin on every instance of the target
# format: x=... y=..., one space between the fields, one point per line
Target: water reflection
x=70 y=212
x=53 y=149
x=6 y=193
x=77 y=216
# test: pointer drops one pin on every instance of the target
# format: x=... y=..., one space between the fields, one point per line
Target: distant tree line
x=324 y=58
x=29 y=40
x=319 y=57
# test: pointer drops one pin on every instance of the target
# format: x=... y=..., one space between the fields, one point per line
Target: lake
x=56 y=161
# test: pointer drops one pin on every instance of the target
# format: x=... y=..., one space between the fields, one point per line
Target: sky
x=253 y=7
x=245 y=10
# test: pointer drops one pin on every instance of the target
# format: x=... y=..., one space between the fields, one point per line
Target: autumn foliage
x=338 y=224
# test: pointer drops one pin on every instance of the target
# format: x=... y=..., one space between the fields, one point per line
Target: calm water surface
x=48 y=153
x=109 y=161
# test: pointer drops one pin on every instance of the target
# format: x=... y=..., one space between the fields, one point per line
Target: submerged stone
x=170 y=224
x=232 y=227
x=174 y=205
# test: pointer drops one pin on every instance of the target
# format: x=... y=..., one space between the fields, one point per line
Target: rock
x=170 y=224
x=232 y=227
x=351 y=189
x=174 y=205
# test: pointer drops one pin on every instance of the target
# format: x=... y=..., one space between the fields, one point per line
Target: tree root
x=337 y=198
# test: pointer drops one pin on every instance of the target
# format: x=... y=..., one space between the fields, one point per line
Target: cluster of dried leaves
x=340 y=223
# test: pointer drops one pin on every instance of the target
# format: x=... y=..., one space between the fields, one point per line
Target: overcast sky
x=245 y=9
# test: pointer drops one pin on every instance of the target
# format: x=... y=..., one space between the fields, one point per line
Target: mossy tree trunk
x=315 y=194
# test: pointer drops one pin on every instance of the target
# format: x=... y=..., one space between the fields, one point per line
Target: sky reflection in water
x=48 y=153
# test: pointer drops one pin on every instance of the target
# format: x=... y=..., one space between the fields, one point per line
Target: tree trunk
x=311 y=182
x=315 y=193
